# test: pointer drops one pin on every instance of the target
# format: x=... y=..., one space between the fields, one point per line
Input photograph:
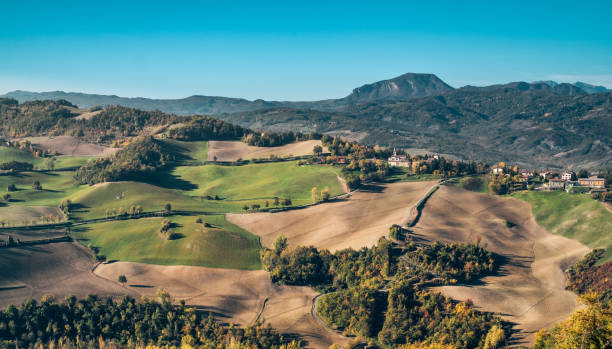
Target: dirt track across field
x=233 y=150
x=356 y=222
x=72 y=146
x=60 y=269
x=530 y=291
x=236 y=296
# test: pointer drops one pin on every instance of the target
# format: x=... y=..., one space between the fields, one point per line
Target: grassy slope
x=56 y=186
x=95 y=200
x=484 y=187
x=402 y=174
x=282 y=179
x=223 y=245
x=197 y=151
x=65 y=161
x=575 y=216
x=8 y=154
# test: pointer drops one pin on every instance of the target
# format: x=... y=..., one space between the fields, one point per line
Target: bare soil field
x=60 y=269
x=72 y=146
x=356 y=222
x=25 y=214
x=234 y=150
x=236 y=296
x=530 y=289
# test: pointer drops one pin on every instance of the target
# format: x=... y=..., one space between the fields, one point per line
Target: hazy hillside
x=533 y=126
x=406 y=86
x=540 y=124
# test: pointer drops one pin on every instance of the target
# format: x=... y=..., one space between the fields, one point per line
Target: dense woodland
x=587 y=277
x=380 y=292
x=126 y=322
x=132 y=162
x=54 y=118
x=200 y=128
x=272 y=139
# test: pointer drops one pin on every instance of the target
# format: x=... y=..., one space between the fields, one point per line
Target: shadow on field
x=372 y=188
x=77 y=207
x=141 y=286
x=168 y=180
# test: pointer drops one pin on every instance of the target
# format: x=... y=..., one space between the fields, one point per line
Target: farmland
x=575 y=216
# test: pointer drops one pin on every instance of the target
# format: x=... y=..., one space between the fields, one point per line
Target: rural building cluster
x=550 y=180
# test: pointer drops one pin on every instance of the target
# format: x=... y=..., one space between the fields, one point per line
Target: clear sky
x=296 y=50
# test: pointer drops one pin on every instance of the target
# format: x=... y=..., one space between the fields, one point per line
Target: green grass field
x=56 y=186
x=575 y=216
x=223 y=245
x=65 y=161
x=8 y=154
x=479 y=187
x=260 y=181
x=94 y=201
x=196 y=151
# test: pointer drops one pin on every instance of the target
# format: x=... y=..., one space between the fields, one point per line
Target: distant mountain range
x=539 y=124
x=404 y=87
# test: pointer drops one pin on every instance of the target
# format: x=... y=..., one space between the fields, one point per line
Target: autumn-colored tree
x=590 y=327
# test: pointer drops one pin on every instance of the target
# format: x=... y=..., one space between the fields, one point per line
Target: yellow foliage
x=426 y=346
x=590 y=327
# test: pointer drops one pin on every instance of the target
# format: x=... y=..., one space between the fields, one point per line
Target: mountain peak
x=406 y=86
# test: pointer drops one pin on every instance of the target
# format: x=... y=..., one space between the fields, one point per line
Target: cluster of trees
x=272 y=139
x=134 y=162
x=448 y=263
x=165 y=230
x=397 y=233
x=446 y=168
x=415 y=315
x=358 y=304
x=200 y=128
x=371 y=267
x=276 y=202
x=586 y=277
x=590 y=327
x=339 y=147
x=126 y=323
x=319 y=195
x=501 y=184
x=356 y=310
x=132 y=211
x=360 y=171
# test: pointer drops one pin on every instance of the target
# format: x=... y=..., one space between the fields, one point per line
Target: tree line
x=126 y=322
x=133 y=162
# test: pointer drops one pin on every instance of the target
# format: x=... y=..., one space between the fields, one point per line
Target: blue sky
x=295 y=50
